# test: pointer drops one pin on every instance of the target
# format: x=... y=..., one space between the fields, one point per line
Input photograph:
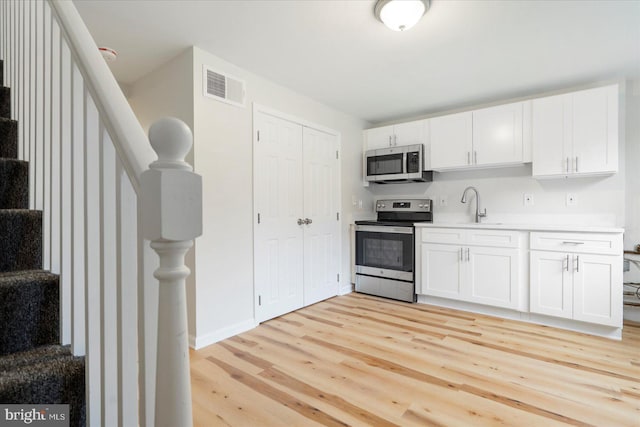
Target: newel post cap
x=171 y=193
x=171 y=139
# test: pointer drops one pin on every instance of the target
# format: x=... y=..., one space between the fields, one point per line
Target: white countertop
x=523 y=227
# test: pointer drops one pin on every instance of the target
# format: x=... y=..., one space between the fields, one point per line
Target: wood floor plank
x=364 y=361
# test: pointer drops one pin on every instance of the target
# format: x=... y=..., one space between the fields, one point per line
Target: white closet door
x=321 y=206
x=278 y=239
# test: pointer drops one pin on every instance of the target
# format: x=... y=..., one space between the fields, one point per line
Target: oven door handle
x=384 y=229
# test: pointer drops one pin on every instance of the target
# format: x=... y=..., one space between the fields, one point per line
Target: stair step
x=45 y=375
x=21 y=237
x=5 y=102
x=29 y=310
x=8 y=138
x=14 y=184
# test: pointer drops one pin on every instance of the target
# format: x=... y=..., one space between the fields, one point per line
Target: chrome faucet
x=464 y=200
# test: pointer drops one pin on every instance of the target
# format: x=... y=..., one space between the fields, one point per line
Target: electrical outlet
x=443 y=200
x=528 y=199
x=572 y=199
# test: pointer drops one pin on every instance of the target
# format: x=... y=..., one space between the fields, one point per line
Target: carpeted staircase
x=34 y=368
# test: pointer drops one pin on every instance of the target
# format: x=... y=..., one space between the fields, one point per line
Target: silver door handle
x=300 y=221
x=567 y=267
x=308 y=221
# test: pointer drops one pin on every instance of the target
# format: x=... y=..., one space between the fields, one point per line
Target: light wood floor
x=365 y=361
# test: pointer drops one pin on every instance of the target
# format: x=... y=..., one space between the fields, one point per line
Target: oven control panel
x=405 y=205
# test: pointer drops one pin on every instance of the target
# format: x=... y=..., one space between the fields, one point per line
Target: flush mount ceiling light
x=400 y=15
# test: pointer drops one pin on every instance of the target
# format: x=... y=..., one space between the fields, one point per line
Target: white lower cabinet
x=571 y=282
x=482 y=274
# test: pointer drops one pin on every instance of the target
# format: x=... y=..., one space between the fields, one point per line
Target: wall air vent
x=223 y=87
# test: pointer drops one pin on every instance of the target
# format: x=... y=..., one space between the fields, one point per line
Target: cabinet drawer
x=494 y=238
x=444 y=235
x=593 y=243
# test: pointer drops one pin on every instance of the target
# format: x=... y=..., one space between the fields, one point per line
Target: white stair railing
x=103 y=211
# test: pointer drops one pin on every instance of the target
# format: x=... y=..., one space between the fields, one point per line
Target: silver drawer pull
x=573 y=243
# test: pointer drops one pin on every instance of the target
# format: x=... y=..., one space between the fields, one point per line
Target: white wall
x=223 y=156
x=167 y=92
x=600 y=200
x=632 y=223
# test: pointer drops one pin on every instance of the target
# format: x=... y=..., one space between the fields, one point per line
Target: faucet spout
x=479 y=214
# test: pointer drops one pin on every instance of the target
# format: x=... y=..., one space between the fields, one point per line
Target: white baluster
x=172 y=217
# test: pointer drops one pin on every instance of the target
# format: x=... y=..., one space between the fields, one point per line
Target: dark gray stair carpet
x=5 y=102
x=45 y=375
x=29 y=310
x=8 y=138
x=14 y=184
x=21 y=240
x=34 y=369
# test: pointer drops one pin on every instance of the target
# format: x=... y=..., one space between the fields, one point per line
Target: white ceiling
x=461 y=53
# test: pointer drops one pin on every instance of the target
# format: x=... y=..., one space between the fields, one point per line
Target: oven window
x=392 y=251
x=385 y=165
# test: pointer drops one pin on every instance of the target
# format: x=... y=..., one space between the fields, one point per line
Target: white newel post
x=172 y=217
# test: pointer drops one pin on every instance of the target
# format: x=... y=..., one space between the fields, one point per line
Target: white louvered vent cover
x=223 y=87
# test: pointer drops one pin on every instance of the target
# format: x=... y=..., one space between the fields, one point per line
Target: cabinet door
x=497 y=135
x=595 y=130
x=550 y=136
x=551 y=289
x=451 y=138
x=441 y=270
x=493 y=276
x=379 y=138
x=597 y=289
x=409 y=133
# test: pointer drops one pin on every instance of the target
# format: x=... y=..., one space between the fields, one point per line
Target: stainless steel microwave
x=396 y=165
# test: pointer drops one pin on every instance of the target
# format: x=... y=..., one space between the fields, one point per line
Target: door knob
x=301 y=221
x=308 y=221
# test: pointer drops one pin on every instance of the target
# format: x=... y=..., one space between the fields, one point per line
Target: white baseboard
x=213 y=337
x=345 y=289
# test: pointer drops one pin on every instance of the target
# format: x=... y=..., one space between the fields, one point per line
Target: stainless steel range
x=385 y=249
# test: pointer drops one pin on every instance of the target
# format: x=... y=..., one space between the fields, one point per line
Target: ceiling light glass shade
x=400 y=15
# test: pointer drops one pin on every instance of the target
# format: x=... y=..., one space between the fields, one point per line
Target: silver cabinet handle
x=567 y=167
x=390 y=144
x=468 y=157
x=567 y=267
x=578 y=263
x=300 y=221
x=468 y=256
x=475 y=157
x=567 y=242
x=308 y=221
x=461 y=259
x=576 y=163
x=395 y=139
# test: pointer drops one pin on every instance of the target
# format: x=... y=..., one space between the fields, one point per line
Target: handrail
x=127 y=134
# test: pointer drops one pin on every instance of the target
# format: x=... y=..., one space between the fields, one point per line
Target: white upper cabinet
x=479 y=138
x=497 y=135
x=451 y=141
x=576 y=134
x=396 y=135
